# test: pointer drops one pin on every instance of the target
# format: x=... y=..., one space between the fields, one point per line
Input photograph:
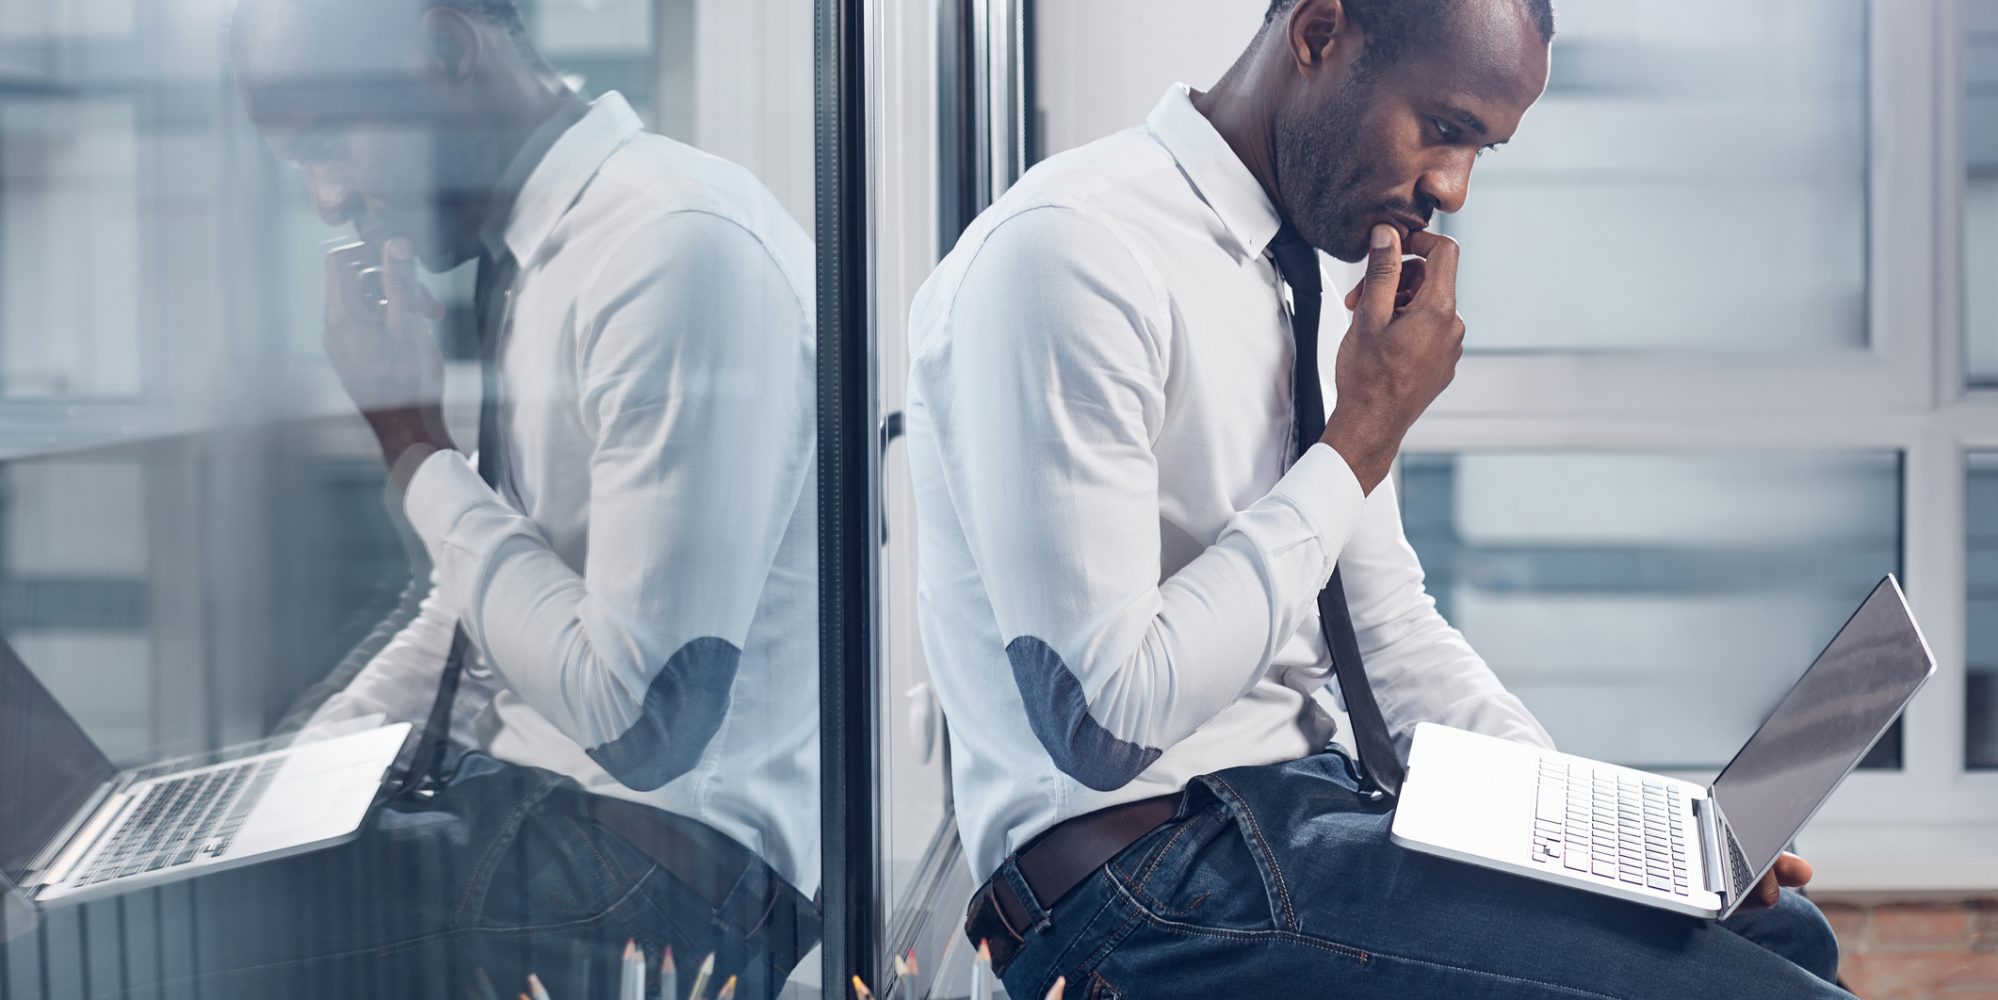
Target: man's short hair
x=502 y=13
x=1395 y=28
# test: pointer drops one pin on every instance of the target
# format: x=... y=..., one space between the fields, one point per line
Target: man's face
x=378 y=135
x=1395 y=144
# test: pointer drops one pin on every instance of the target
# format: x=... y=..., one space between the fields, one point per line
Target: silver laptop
x=1657 y=840
x=73 y=828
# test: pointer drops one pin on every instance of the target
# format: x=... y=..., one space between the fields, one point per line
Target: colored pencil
x=701 y=977
x=981 y=973
x=632 y=984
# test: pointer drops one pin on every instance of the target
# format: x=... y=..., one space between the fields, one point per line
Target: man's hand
x=1789 y=872
x=1400 y=353
x=378 y=336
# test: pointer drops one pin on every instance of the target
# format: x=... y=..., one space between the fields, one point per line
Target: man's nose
x=333 y=198
x=1448 y=184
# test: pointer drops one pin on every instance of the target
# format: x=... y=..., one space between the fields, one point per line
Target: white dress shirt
x=1119 y=560
x=642 y=591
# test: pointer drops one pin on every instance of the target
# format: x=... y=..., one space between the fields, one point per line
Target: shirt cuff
x=444 y=489
x=1325 y=491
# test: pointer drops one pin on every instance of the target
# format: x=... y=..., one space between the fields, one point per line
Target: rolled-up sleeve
x=694 y=362
x=1046 y=407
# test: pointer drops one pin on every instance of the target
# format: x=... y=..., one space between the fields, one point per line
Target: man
x=625 y=593
x=1132 y=507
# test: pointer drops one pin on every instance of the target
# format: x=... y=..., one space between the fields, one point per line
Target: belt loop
x=1037 y=916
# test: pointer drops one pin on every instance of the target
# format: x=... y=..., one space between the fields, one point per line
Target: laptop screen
x=1822 y=728
x=48 y=766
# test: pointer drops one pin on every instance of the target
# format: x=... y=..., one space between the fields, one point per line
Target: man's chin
x=1351 y=249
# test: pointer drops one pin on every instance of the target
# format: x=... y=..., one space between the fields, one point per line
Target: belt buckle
x=986 y=923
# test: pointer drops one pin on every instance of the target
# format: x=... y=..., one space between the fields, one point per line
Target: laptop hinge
x=42 y=871
x=1706 y=812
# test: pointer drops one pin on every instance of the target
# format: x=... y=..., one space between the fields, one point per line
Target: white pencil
x=669 y=977
x=632 y=986
x=981 y=973
x=534 y=986
x=701 y=977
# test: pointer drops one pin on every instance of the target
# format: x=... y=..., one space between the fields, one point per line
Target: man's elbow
x=1059 y=714
x=682 y=711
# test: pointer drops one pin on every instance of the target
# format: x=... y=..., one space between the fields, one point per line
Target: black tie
x=495 y=280
x=1297 y=263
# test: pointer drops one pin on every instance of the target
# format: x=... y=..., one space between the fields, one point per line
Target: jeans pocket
x=1100 y=988
x=1203 y=876
x=559 y=867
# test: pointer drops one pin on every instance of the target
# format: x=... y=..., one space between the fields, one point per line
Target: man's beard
x=1321 y=168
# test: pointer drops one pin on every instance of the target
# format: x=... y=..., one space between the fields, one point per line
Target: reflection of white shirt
x=1120 y=563
x=644 y=585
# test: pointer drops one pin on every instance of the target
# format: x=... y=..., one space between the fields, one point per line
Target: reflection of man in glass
x=622 y=572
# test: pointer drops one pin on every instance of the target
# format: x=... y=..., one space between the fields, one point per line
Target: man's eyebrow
x=1476 y=124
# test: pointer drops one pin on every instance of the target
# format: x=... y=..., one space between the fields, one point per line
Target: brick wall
x=1917 y=950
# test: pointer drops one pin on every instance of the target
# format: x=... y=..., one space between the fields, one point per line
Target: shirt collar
x=1218 y=175
x=552 y=169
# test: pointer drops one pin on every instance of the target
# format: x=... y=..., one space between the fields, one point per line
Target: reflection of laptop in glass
x=1652 y=839
x=74 y=828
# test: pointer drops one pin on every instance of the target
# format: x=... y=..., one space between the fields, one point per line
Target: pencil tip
x=666 y=961
x=708 y=964
x=985 y=951
x=1060 y=987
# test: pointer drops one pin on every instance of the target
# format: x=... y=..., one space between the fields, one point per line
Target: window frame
x=1932 y=824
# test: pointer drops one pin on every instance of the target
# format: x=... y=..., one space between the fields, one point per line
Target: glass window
x=408 y=508
x=1660 y=145
x=1981 y=613
x=1980 y=143
x=1651 y=608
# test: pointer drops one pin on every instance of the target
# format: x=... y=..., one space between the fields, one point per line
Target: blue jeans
x=1281 y=881
x=501 y=873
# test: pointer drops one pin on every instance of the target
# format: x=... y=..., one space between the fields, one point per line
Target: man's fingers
x=1768 y=892
x=405 y=294
x=343 y=278
x=1439 y=285
x=1375 y=306
x=1792 y=871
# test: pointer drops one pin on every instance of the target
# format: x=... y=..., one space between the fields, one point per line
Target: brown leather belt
x=1055 y=863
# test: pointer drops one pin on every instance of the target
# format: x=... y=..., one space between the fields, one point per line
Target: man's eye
x=1446 y=131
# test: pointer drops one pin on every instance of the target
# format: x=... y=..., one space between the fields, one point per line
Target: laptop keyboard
x=1611 y=824
x=180 y=819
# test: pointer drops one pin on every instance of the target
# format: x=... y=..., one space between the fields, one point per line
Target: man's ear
x=1317 y=33
x=451 y=43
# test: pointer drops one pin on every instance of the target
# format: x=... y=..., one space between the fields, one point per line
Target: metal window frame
x=849 y=504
